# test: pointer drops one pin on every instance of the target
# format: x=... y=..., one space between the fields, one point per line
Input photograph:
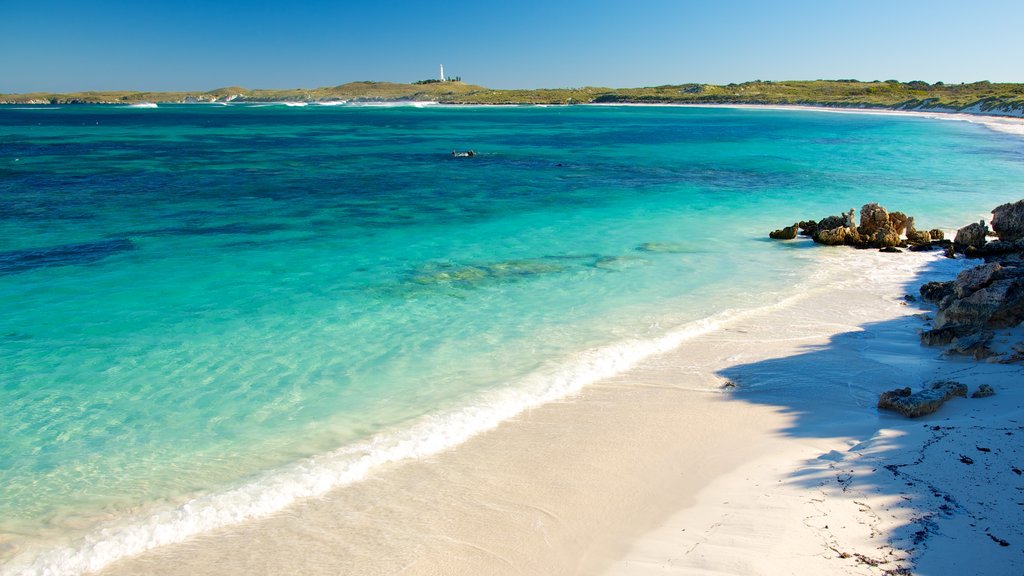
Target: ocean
x=210 y=312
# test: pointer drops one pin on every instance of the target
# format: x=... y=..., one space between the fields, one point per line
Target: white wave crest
x=143 y=105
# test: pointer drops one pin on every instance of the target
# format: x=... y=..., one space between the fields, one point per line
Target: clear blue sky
x=200 y=45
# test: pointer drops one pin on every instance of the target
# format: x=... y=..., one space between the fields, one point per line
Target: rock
x=915 y=236
x=1011 y=309
x=831 y=223
x=919 y=237
x=970 y=236
x=1008 y=221
x=890 y=250
x=935 y=291
x=937 y=234
x=914 y=404
x=998 y=305
x=808 y=227
x=787 y=233
x=1000 y=248
x=973 y=344
x=898 y=221
x=885 y=237
x=833 y=237
x=943 y=336
x=970 y=281
x=872 y=217
x=983 y=391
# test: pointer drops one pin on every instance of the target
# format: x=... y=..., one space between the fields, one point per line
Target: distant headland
x=977 y=97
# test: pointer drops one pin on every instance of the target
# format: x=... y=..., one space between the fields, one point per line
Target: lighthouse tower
x=442 y=72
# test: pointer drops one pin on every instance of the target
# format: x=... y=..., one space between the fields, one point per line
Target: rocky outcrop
x=878 y=228
x=989 y=296
x=980 y=300
x=1008 y=221
x=914 y=404
x=937 y=234
x=935 y=292
x=834 y=236
x=885 y=237
x=787 y=233
x=898 y=221
x=972 y=236
x=808 y=227
x=872 y=217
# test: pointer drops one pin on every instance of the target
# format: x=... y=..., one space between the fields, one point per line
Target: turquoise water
x=238 y=305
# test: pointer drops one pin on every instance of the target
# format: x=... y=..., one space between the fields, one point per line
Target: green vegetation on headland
x=975 y=97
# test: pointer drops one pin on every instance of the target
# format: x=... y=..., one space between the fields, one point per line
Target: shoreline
x=496 y=505
x=1010 y=123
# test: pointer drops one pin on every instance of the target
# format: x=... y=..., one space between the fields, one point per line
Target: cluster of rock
x=986 y=297
x=878 y=228
x=979 y=301
x=914 y=404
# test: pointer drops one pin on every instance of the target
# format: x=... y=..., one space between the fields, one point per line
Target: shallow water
x=241 y=305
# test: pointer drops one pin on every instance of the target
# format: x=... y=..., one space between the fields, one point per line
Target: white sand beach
x=661 y=470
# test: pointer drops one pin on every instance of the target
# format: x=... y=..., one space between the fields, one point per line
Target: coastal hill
x=979 y=97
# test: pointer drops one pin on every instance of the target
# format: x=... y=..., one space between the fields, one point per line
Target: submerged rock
x=472 y=275
x=524 y=268
x=665 y=247
x=1008 y=221
x=620 y=262
x=914 y=404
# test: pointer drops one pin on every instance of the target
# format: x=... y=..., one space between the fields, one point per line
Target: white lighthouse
x=442 y=72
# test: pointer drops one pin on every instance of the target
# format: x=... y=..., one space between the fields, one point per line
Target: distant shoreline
x=1008 y=121
x=986 y=98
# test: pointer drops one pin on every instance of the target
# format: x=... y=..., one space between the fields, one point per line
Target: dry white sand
x=660 y=471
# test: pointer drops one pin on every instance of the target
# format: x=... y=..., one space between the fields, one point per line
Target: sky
x=65 y=46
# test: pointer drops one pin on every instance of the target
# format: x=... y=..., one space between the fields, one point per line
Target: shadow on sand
x=941 y=494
